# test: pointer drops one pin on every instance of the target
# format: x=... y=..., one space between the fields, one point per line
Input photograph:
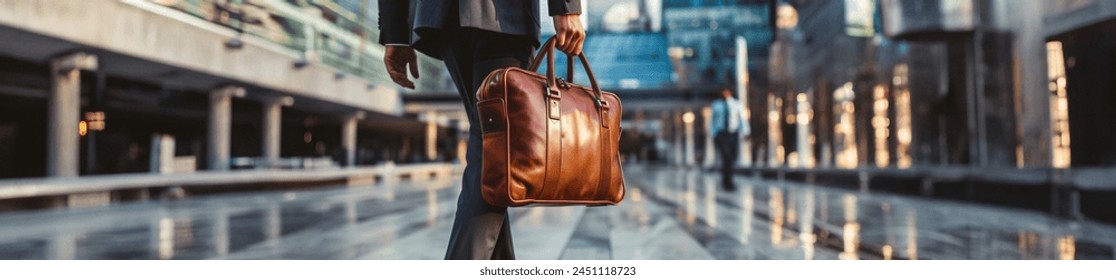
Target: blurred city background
x=269 y=129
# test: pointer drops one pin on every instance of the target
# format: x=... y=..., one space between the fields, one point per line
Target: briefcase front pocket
x=493 y=117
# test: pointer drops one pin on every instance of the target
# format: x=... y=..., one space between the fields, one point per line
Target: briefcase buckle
x=554 y=103
x=553 y=93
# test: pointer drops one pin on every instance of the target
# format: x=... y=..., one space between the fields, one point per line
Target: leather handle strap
x=543 y=52
x=547 y=50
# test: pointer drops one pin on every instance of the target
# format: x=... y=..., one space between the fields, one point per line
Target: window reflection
x=806 y=227
x=912 y=236
x=431 y=207
x=777 y=212
x=851 y=230
x=221 y=233
x=1066 y=247
x=747 y=196
x=710 y=202
x=1028 y=245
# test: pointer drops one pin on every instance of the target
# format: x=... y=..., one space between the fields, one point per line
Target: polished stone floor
x=669 y=214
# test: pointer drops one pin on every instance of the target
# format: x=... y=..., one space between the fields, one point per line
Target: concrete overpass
x=176 y=60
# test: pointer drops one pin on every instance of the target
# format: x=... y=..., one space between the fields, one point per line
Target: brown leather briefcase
x=548 y=141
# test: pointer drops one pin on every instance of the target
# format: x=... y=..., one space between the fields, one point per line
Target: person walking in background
x=473 y=38
x=728 y=125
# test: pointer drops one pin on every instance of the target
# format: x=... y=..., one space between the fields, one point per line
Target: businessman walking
x=473 y=38
x=728 y=125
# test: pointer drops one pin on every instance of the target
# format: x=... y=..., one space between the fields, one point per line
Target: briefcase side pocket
x=493 y=115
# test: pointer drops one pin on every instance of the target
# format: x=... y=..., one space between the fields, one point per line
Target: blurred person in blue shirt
x=728 y=126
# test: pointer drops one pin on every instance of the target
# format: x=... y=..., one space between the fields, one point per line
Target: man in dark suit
x=473 y=38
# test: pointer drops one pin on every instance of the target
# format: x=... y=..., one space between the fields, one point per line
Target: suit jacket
x=418 y=22
x=720 y=112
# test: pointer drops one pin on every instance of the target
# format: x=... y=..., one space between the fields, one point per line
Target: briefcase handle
x=547 y=50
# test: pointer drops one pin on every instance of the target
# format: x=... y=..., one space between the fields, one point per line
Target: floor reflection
x=868 y=225
x=668 y=214
x=269 y=225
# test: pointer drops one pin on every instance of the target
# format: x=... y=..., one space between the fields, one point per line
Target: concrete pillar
x=459 y=136
x=743 y=79
x=660 y=136
x=803 y=118
x=162 y=153
x=676 y=133
x=688 y=129
x=710 y=148
x=1034 y=109
x=272 y=127
x=641 y=153
x=64 y=109
x=349 y=137
x=220 y=125
x=431 y=147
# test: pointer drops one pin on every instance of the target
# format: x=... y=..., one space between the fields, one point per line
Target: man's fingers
x=396 y=60
x=570 y=38
x=560 y=40
x=574 y=39
x=413 y=65
x=404 y=82
x=399 y=76
x=579 y=44
x=573 y=42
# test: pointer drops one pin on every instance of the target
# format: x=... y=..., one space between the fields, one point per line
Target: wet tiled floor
x=669 y=213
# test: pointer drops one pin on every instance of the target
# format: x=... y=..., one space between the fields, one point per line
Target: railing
x=345 y=43
x=45 y=187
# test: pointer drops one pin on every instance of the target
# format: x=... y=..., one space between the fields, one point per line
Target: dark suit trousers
x=480 y=231
x=729 y=146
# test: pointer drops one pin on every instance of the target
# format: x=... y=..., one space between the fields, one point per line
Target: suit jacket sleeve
x=395 y=27
x=562 y=7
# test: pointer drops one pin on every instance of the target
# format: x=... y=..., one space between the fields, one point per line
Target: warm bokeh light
x=1059 y=105
x=903 y=133
x=774 y=131
x=786 y=17
x=845 y=127
x=881 y=124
